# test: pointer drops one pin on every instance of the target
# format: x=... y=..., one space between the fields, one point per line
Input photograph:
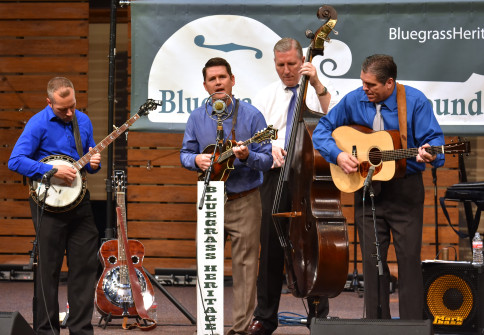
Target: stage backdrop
x=437 y=45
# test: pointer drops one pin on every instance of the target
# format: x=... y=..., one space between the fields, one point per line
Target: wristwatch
x=325 y=91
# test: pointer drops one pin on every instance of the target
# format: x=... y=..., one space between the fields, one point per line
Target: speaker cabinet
x=370 y=327
x=12 y=323
x=454 y=296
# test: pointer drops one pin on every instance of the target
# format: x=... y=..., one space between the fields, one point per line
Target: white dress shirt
x=273 y=102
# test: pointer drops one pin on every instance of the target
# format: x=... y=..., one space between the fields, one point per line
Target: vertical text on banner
x=210 y=260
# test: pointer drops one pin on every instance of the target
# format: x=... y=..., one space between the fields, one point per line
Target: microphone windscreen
x=219 y=105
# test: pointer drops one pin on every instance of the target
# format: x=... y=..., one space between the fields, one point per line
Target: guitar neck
x=123 y=269
x=120 y=201
x=392 y=155
x=105 y=143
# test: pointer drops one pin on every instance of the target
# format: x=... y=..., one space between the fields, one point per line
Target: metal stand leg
x=170 y=297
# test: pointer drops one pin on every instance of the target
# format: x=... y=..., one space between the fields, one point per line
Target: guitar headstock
x=270 y=133
x=119 y=180
x=148 y=106
x=463 y=147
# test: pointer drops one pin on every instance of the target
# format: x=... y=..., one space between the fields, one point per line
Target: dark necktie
x=290 y=113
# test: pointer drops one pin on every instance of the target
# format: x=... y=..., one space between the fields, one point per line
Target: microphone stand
x=218 y=146
x=378 y=255
x=434 y=180
x=355 y=283
x=34 y=254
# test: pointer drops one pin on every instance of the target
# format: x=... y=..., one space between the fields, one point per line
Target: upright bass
x=306 y=211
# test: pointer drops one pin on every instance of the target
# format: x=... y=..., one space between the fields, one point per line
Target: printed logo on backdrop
x=176 y=73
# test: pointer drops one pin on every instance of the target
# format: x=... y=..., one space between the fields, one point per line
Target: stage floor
x=17 y=296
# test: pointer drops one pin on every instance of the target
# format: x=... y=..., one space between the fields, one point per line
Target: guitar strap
x=135 y=285
x=402 y=114
x=234 y=119
x=77 y=135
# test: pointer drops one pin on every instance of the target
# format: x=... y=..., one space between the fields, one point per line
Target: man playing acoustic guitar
x=398 y=201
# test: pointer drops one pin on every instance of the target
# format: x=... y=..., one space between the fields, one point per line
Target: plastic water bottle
x=152 y=312
x=477 y=257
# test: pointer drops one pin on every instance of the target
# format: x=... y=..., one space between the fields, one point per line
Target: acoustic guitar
x=114 y=294
x=224 y=161
x=381 y=149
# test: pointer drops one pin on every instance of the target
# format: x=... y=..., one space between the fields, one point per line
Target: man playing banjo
x=51 y=139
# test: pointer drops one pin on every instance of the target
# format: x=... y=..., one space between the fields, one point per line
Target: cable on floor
x=291 y=319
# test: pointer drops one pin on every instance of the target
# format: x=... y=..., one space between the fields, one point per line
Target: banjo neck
x=105 y=142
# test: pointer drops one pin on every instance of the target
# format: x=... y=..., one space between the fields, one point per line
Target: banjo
x=63 y=197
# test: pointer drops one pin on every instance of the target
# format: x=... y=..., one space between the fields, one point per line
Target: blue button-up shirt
x=356 y=109
x=201 y=131
x=44 y=135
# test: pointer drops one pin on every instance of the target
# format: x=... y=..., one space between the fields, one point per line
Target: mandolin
x=224 y=162
x=114 y=294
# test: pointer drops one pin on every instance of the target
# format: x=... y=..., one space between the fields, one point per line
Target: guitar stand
x=109 y=317
x=170 y=297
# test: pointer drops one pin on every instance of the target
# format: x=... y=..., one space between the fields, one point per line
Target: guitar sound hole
x=135 y=259
x=112 y=259
x=375 y=156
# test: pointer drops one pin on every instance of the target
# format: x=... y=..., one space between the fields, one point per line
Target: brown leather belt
x=240 y=195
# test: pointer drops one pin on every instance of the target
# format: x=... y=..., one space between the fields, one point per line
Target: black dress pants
x=399 y=214
x=75 y=233
x=271 y=264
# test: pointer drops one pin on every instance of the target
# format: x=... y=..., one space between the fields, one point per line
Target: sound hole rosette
x=450 y=297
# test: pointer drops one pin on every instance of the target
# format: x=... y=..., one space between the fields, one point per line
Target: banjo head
x=60 y=196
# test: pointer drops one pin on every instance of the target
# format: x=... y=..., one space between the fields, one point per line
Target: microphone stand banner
x=210 y=259
x=172 y=41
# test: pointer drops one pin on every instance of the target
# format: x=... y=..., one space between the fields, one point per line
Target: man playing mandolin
x=71 y=231
x=242 y=208
x=398 y=202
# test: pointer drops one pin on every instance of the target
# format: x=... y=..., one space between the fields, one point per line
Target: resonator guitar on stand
x=123 y=290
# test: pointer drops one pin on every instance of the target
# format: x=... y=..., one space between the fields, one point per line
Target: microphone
x=219 y=106
x=49 y=174
x=367 y=182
